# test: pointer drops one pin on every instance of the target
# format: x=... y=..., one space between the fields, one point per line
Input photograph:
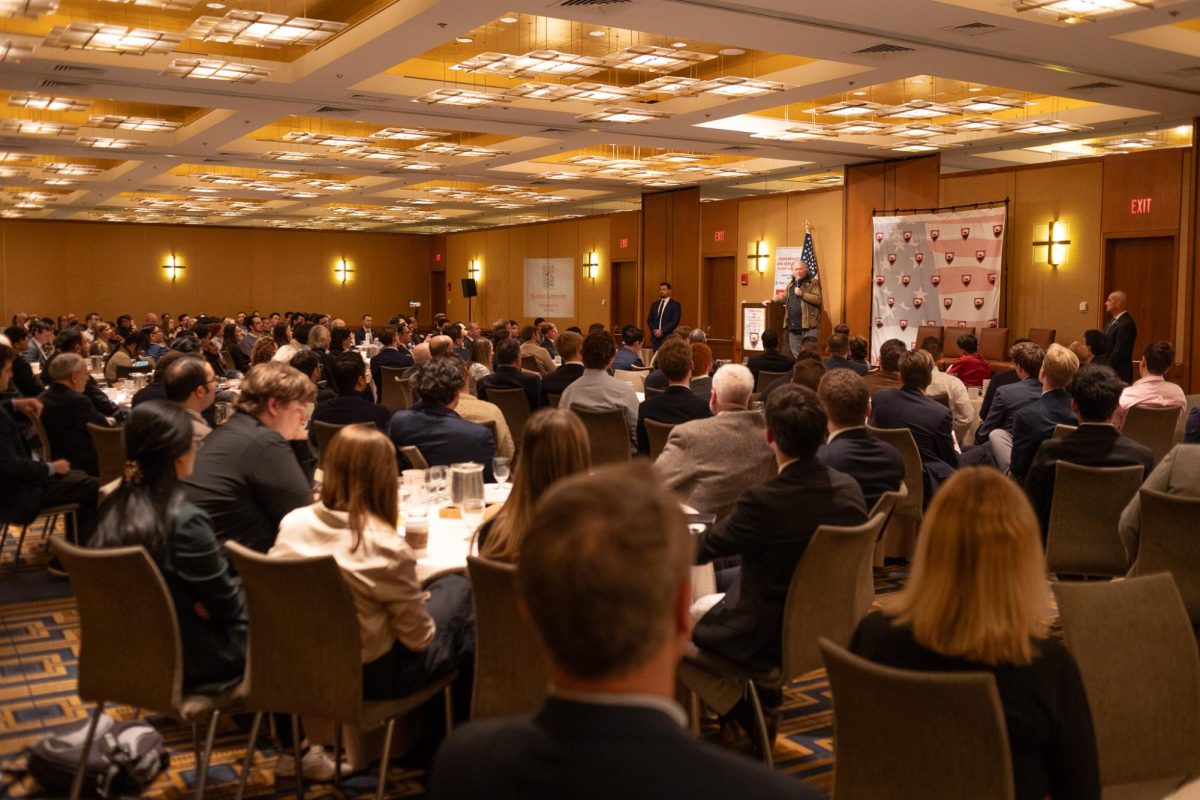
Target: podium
x=757 y=318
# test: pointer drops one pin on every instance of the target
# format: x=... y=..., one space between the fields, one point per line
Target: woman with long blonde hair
x=976 y=600
x=554 y=445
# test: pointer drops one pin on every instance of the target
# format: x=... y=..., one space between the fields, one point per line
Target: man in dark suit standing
x=432 y=425
x=930 y=421
x=770 y=360
x=875 y=464
x=388 y=356
x=1094 y=392
x=677 y=404
x=569 y=343
x=66 y=413
x=509 y=375
x=745 y=627
x=664 y=316
x=1121 y=334
x=610 y=726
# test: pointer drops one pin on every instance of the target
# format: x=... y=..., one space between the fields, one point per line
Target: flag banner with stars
x=785 y=257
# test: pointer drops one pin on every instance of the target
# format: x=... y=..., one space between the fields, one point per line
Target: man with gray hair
x=710 y=462
x=66 y=412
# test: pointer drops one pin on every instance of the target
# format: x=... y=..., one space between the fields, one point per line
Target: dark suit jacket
x=512 y=378
x=670 y=320
x=1034 y=424
x=837 y=362
x=23 y=481
x=1191 y=434
x=349 y=410
x=931 y=426
x=443 y=437
x=626 y=359
x=557 y=382
x=360 y=335
x=247 y=479
x=65 y=415
x=23 y=379
x=586 y=751
x=1008 y=401
x=875 y=464
x=770 y=536
x=674 y=406
x=1089 y=446
x=106 y=407
x=1121 y=334
x=770 y=361
x=388 y=357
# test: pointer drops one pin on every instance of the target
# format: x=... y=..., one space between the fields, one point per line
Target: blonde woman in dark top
x=976 y=601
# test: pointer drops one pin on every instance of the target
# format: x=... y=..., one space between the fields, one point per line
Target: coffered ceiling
x=439 y=115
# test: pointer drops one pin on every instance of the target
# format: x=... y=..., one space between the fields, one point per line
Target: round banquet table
x=449 y=536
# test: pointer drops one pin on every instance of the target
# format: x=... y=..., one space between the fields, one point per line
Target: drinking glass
x=472 y=513
x=437 y=484
x=500 y=468
x=416 y=508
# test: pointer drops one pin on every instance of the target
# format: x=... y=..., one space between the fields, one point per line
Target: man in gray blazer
x=1178 y=474
x=710 y=462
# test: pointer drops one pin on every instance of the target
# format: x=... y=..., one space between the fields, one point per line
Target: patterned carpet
x=38 y=660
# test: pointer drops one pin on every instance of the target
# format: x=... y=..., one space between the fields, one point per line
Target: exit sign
x=623 y=243
x=718 y=236
x=1140 y=205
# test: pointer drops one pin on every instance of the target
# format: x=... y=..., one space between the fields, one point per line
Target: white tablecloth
x=450 y=537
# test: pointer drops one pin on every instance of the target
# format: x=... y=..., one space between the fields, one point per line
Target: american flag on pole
x=809 y=255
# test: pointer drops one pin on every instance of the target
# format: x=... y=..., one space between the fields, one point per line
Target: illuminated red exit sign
x=1140 y=205
x=623 y=243
x=718 y=236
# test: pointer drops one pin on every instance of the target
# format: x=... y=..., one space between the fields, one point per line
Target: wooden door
x=1144 y=268
x=718 y=310
x=625 y=295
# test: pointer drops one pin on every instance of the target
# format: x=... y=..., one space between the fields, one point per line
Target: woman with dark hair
x=149 y=509
x=338 y=338
x=210 y=347
x=282 y=334
x=232 y=355
x=481 y=362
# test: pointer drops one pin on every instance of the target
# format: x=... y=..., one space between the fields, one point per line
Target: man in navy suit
x=388 y=356
x=677 y=404
x=875 y=464
x=509 y=375
x=664 y=316
x=1121 y=334
x=364 y=335
x=349 y=407
x=1094 y=392
x=569 y=344
x=66 y=413
x=602 y=547
x=1035 y=423
x=770 y=360
x=928 y=420
x=433 y=427
x=839 y=352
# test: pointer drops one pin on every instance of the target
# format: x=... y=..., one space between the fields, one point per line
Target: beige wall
x=113 y=268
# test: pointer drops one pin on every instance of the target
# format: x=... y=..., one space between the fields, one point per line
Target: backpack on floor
x=124 y=758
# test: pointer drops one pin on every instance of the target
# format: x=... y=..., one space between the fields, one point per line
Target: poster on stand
x=754 y=322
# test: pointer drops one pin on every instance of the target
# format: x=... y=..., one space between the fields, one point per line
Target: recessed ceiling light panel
x=535 y=62
x=43 y=102
x=460 y=97
x=112 y=39
x=849 y=108
x=625 y=115
x=143 y=124
x=260 y=29
x=657 y=59
x=213 y=70
x=30 y=9
x=38 y=127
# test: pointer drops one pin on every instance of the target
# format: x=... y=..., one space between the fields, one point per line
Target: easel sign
x=754 y=322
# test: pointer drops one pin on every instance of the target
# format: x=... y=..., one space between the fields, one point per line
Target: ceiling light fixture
x=920 y=109
x=581 y=92
x=980 y=124
x=913 y=147
x=551 y=62
x=13 y=52
x=31 y=9
x=38 y=127
x=460 y=97
x=1129 y=144
x=1071 y=11
x=509 y=20
x=408 y=134
x=165 y=5
x=626 y=115
x=657 y=59
x=288 y=155
x=1048 y=126
x=985 y=104
x=15 y=158
x=798 y=133
x=213 y=70
x=112 y=39
x=463 y=39
x=732 y=51
x=459 y=150
x=67 y=168
x=260 y=29
x=325 y=139
x=43 y=102
x=859 y=128
x=920 y=130
x=104 y=143
x=142 y=124
x=849 y=108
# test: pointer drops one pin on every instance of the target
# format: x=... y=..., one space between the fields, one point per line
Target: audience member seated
x=1151 y=389
x=770 y=360
x=970 y=368
x=509 y=375
x=888 y=374
x=570 y=350
x=318 y=341
x=341 y=338
x=839 y=351
x=66 y=413
x=1001 y=379
x=770 y=527
x=1081 y=352
x=702 y=361
x=479 y=365
x=72 y=341
x=210 y=347
x=233 y=357
x=547 y=335
x=127 y=355
x=860 y=348
x=249 y=475
x=440 y=345
x=434 y=427
x=710 y=462
x=37 y=348
x=875 y=464
x=928 y=420
x=389 y=355
x=807 y=371
x=27 y=485
x=189 y=383
x=286 y=348
x=1097 y=345
x=410 y=634
x=1177 y=474
x=149 y=508
x=531 y=347
x=1191 y=434
x=472 y=409
x=976 y=601
x=349 y=407
x=264 y=351
x=596 y=390
x=604 y=548
x=23 y=379
x=365 y=335
x=554 y=446
x=1035 y=423
x=630 y=354
x=309 y=365
x=1008 y=400
x=949 y=391
x=677 y=404
x=1094 y=392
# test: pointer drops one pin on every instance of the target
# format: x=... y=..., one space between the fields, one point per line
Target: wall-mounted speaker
x=469 y=288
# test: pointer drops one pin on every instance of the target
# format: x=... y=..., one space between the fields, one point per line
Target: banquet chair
x=766 y=378
x=635 y=378
x=110 y=450
x=130 y=651
x=937 y=331
x=993 y=346
x=554 y=399
x=530 y=364
x=1153 y=427
x=514 y=405
x=607 y=433
x=886 y=506
x=412 y=454
x=822 y=602
x=510 y=674
x=1137 y=656
x=653 y=392
x=310 y=665
x=1042 y=337
x=395 y=393
x=1061 y=430
x=950 y=351
x=901 y=531
x=658 y=433
x=325 y=433
x=490 y=424
x=1168 y=543
x=1082 y=538
x=899 y=732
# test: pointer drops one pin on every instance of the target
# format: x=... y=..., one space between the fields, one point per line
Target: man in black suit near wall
x=509 y=375
x=678 y=404
x=1121 y=334
x=569 y=344
x=1094 y=392
x=600 y=548
x=66 y=413
x=389 y=355
x=875 y=464
x=770 y=360
x=664 y=316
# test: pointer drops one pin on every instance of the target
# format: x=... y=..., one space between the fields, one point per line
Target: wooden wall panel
x=719 y=217
x=684 y=258
x=1131 y=179
x=625 y=227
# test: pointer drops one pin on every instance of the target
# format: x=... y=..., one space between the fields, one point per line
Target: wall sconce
x=759 y=255
x=591 y=265
x=473 y=269
x=342 y=271
x=1056 y=243
x=173 y=267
